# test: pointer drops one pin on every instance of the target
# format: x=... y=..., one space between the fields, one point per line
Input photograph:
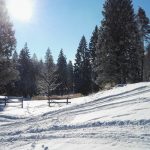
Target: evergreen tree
x=82 y=69
x=47 y=78
x=15 y=57
x=93 y=44
x=13 y=86
x=147 y=64
x=27 y=76
x=62 y=73
x=70 y=78
x=34 y=58
x=40 y=65
x=49 y=59
x=143 y=25
x=118 y=44
x=35 y=73
x=99 y=62
x=144 y=31
x=7 y=45
x=92 y=48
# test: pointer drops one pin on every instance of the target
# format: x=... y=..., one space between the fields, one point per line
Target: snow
x=112 y=119
x=3 y=97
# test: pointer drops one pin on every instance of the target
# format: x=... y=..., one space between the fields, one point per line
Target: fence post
x=22 y=102
x=49 y=103
x=5 y=101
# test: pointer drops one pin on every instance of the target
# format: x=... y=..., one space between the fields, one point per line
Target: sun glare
x=20 y=9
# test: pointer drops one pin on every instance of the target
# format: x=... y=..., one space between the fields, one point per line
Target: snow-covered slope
x=109 y=120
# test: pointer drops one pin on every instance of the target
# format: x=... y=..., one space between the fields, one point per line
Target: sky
x=60 y=24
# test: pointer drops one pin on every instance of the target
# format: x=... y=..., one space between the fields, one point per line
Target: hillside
x=109 y=120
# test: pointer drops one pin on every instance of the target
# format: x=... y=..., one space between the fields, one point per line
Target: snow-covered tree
x=7 y=46
x=47 y=77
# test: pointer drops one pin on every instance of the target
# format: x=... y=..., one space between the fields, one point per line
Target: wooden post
x=49 y=102
x=22 y=102
x=49 y=96
x=5 y=101
x=67 y=100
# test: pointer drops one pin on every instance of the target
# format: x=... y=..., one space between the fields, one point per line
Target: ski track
x=17 y=132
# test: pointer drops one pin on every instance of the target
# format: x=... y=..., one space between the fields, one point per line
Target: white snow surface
x=109 y=120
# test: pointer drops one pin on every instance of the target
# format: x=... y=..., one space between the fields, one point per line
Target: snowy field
x=118 y=119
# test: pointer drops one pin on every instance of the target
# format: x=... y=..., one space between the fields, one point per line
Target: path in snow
x=114 y=119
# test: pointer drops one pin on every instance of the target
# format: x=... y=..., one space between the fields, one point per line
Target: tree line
x=38 y=77
x=118 y=53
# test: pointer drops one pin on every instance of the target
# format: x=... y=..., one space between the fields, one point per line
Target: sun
x=21 y=10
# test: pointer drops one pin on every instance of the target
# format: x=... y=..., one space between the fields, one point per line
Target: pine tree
x=118 y=44
x=143 y=25
x=62 y=73
x=147 y=64
x=92 y=48
x=34 y=58
x=99 y=62
x=70 y=78
x=47 y=78
x=35 y=73
x=40 y=65
x=15 y=57
x=82 y=68
x=93 y=44
x=13 y=86
x=49 y=59
x=7 y=34
x=144 y=31
x=27 y=75
x=7 y=45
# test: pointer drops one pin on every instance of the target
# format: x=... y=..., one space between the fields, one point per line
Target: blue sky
x=60 y=24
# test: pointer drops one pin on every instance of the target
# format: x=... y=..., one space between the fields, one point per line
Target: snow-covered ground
x=109 y=120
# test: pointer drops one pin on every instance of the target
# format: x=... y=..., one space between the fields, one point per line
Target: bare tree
x=48 y=77
x=47 y=82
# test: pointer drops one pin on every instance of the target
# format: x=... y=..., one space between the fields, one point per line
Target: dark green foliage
x=62 y=73
x=15 y=57
x=115 y=56
x=27 y=84
x=92 y=49
x=13 y=87
x=35 y=73
x=144 y=31
x=99 y=62
x=118 y=48
x=7 y=45
x=8 y=75
x=82 y=69
x=93 y=44
x=7 y=34
x=70 y=77
x=143 y=25
x=147 y=64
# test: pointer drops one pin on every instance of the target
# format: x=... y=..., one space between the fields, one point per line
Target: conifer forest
x=117 y=53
